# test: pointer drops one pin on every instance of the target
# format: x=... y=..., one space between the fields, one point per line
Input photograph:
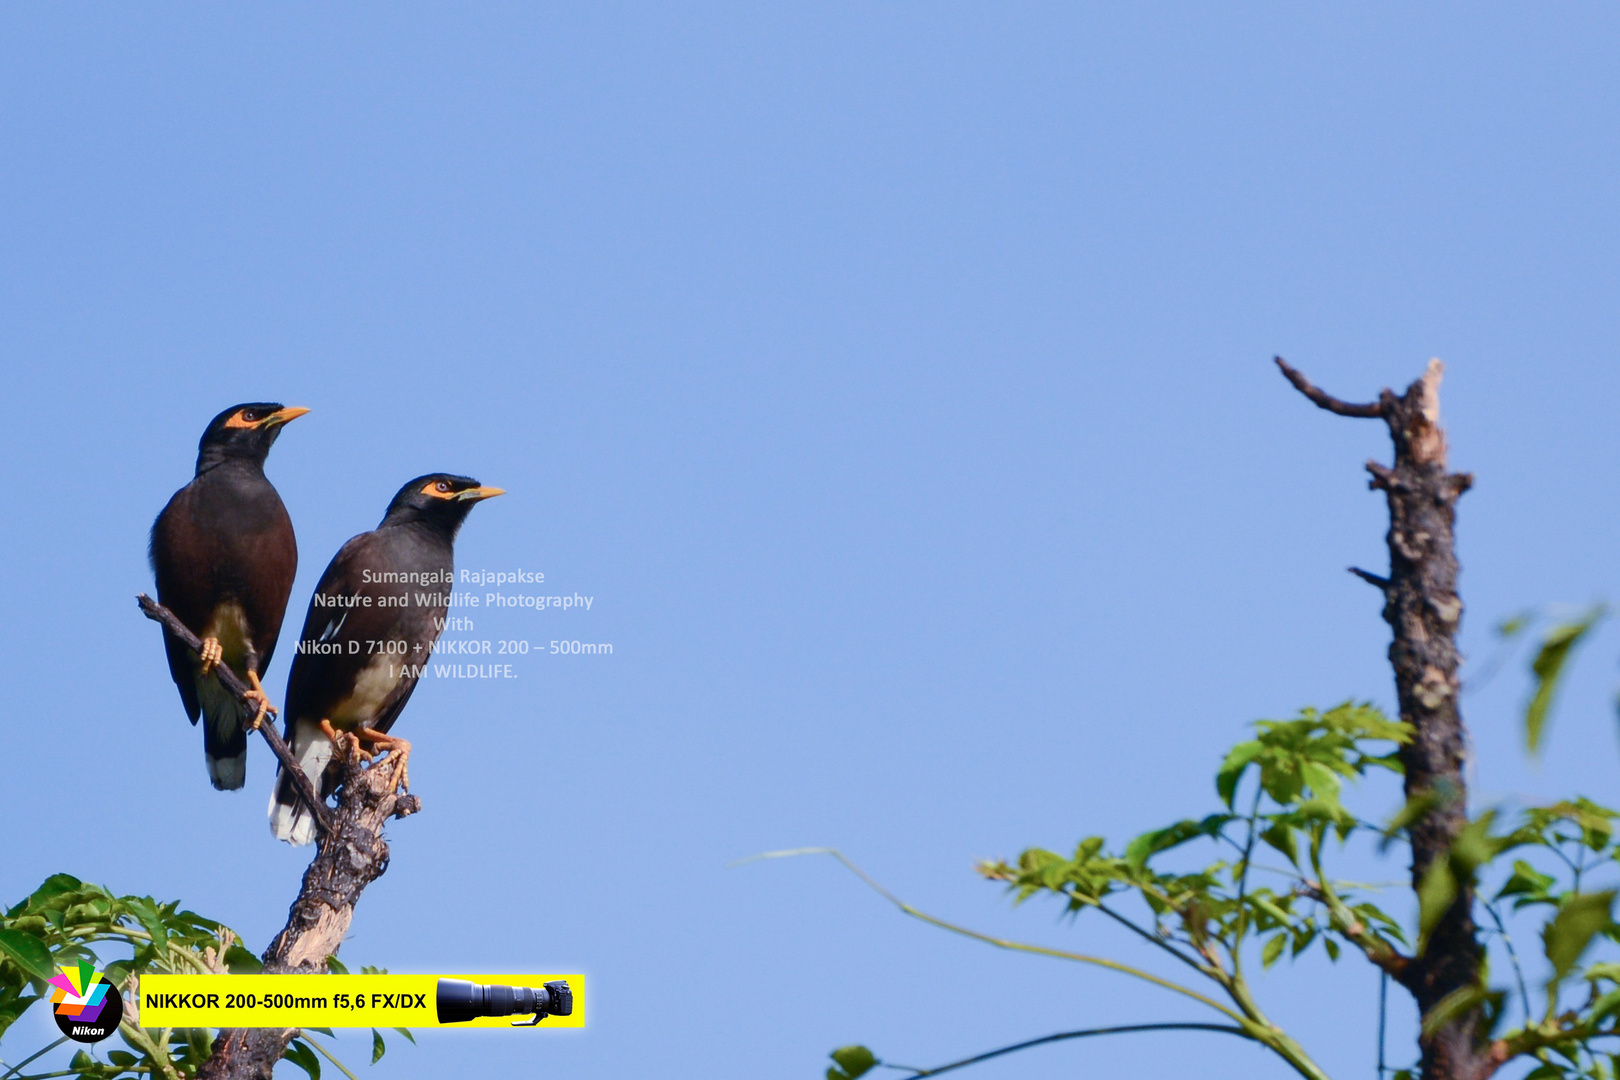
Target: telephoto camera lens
x=459 y=1000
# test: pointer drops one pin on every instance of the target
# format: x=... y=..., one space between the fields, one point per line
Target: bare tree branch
x=1370 y=578
x=239 y=689
x=1123 y=1029
x=1328 y=401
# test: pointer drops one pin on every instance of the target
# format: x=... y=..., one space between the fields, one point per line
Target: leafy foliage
x=1189 y=890
x=63 y=921
x=1299 y=767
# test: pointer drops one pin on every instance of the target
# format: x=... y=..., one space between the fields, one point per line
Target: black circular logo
x=88 y=1008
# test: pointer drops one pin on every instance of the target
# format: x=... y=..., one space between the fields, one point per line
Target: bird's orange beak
x=282 y=416
x=480 y=493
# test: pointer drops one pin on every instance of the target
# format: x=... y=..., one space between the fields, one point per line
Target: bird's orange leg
x=398 y=749
x=258 y=695
x=339 y=738
x=210 y=652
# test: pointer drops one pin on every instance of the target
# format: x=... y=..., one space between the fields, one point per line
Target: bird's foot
x=260 y=699
x=346 y=745
x=398 y=751
x=210 y=651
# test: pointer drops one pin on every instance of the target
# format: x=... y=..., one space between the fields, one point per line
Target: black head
x=244 y=432
x=438 y=500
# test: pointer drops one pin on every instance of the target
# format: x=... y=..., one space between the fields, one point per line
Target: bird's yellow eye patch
x=243 y=418
x=438 y=489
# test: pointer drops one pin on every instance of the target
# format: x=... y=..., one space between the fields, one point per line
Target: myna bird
x=224 y=557
x=371 y=626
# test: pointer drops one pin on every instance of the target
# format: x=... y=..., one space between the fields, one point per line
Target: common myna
x=224 y=557
x=371 y=626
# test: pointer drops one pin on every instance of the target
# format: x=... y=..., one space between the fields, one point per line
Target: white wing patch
x=334 y=626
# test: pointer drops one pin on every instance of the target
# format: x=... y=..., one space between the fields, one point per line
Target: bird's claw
x=346 y=745
x=402 y=749
x=398 y=751
x=260 y=699
x=210 y=651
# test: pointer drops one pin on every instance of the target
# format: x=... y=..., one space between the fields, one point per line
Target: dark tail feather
x=224 y=739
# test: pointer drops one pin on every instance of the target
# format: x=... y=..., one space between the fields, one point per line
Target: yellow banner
x=334 y=1001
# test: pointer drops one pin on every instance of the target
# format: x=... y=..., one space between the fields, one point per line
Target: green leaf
x=29 y=952
x=1528 y=884
x=1273 y=949
x=1455 y=1005
x=1320 y=779
x=1548 y=669
x=82 y=1060
x=241 y=962
x=1435 y=895
x=122 y=1058
x=1281 y=837
x=377 y=1047
x=54 y=885
x=1149 y=844
x=1415 y=808
x=1231 y=771
x=1579 y=919
x=335 y=966
x=407 y=1033
x=1474 y=846
x=1332 y=948
x=147 y=915
x=199 y=1045
x=304 y=1057
x=850 y=1062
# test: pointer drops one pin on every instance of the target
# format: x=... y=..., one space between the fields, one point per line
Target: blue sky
x=895 y=378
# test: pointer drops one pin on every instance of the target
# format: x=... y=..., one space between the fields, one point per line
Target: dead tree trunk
x=1423 y=610
x=350 y=855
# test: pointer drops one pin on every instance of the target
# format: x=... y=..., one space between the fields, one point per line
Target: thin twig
x=1202 y=969
x=1123 y=1029
x=328 y=1056
x=240 y=690
x=1383 y=1012
x=15 y=1069
x=1243 y=881
x=1369 y=577
x=1518 y=972
x=1000 y=943
x=1325 y=400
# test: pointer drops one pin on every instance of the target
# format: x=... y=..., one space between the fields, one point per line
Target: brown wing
x=347 y=624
